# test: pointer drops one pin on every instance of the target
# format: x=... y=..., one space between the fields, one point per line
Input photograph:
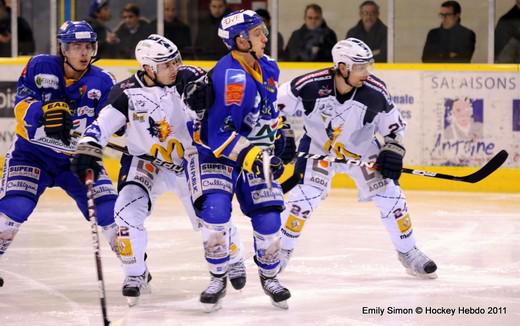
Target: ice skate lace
x=236 y=270
x=273 y=285
x=135 y=281
x=215 y=285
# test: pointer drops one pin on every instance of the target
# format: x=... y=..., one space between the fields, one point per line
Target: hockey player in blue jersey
x=237 y=128
x=56 y=97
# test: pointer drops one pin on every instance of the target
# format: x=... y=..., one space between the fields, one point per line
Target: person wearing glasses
x=371 y=30
x=451 y=42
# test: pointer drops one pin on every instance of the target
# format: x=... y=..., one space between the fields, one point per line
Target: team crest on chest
x=161 y=129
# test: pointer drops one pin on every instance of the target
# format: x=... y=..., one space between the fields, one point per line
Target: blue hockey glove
x=390 y=159
x=57 y=121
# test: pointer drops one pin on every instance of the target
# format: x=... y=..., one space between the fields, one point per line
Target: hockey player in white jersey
x=148 y=107
x=344 y=108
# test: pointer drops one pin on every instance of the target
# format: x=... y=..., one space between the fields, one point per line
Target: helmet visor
x=362 y=68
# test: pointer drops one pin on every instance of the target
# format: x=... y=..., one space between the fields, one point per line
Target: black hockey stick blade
x=477 y=176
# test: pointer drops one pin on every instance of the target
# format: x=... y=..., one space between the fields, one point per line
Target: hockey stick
x=476 y=176
x=268 y=177
x=89 y=181
x=154 y=160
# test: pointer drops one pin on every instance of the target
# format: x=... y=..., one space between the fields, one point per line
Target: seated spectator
x=314 y=40
x=266 y=17
x=507 y=36
x=131 y=30
x=451 y=42
x=99 y=14
x=208 y=45
x=174 y=29
x=371 y=30
x=25 y=34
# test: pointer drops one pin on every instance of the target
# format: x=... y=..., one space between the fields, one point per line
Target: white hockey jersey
x=340 y=125
x=154 y=120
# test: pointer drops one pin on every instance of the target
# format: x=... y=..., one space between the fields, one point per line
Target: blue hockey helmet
x=76 y=31
x=238 y=23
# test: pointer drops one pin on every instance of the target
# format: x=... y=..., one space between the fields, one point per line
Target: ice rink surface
x=344 y=263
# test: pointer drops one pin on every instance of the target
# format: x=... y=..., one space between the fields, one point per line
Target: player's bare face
x=258 y=39
x=167 y=72
x=359 y=73
x=79 y=54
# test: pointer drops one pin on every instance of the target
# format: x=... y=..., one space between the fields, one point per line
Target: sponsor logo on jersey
x=126 y=84
x=294 y=223
x=146 y=168
x=82 y=90
x=234 y=86
x=215 y=168
x=373 y=186
x=47 y=81
x=214 y=183
x=271 y=85
x=253 y=180
x=407 y=235
x=404 y=223
x=103 y=190
x=137 y=117
x=94 y=94
x=22 y=185
x=265 y=195
x=324 y=90
x=24 y=171
x=85 y=110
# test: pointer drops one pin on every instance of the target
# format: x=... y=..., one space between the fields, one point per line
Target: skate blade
x=430 y=276
x=132 y=301
x=211 y=307
x=281 y=304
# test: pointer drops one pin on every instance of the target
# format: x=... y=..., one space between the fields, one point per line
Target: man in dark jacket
x=208 y=45
x=174 y=29
x=313 y=41
x=507 y=31
x=132 y=29
x=451 y=42
x=99 y=14
x=25 y=34
x=371 y=30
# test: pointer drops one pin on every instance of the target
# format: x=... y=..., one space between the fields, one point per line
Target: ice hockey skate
x=275 y=291
x=1 y=282
x=134 y=286
x=418 y=264
x=237 y=274
x=211 y=297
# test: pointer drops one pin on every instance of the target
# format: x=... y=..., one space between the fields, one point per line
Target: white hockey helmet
x=156 y=49
x=351 y=52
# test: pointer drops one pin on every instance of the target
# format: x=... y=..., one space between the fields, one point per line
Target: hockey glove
x=88 y=156
x=390 y=159
x=198 y=95
x=285 y=143
x=57 y=121
x=251 y=160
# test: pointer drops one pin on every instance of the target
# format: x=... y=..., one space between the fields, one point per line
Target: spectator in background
x=131 y=30
x=314 y=40
x=266 y=17
x=25 y=34
x=371 y=30
x=174 y=29
x=451 y=42
x=208 y=44
x=507 y=36
x=99 y=14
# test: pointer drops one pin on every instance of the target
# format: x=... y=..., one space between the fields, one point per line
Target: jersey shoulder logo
x=234 y=86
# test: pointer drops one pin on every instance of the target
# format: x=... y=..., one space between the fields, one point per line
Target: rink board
x=425 y=95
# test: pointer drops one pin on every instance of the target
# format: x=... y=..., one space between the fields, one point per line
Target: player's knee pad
x=394 y=211
x=267 y=253
x=215 y=238
x=8 y=229
x=302 y=202
x=131 y=207
x=18 y=208
x=216 y=208
x=110 y=233
x=266 y=222
x=235 y=245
